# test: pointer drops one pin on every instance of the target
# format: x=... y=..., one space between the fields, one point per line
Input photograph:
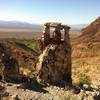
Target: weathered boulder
x=54 y=64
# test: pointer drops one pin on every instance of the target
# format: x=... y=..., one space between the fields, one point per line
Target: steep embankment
x=88 y=44
x=16 y=59
x=86 y=54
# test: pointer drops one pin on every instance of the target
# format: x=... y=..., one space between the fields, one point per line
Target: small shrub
x=84 y=79
x=12 y=40
x=34 y=46
x=69 y=96
x=98 y=67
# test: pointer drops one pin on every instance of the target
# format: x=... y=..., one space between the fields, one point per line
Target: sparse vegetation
x=33 y=45
x=84 y=79
x=83 y=74
x=69 y=96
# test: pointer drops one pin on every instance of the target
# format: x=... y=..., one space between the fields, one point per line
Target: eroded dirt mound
x=16 y=60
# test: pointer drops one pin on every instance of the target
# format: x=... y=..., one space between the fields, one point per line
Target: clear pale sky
x=40 y=11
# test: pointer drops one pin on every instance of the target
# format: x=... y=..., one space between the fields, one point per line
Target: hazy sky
x=40 y=11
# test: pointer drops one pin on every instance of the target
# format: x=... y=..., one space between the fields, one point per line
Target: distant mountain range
x=25 y=25
x=19 y=25
x=78 y=27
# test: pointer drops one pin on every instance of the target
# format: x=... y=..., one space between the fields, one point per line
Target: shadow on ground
x=34 y=87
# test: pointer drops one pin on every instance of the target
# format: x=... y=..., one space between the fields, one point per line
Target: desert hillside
x=86 y=53
x=88 y=43
x=92 y=32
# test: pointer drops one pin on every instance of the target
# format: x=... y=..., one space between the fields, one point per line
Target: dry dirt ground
x=14 y=91
x=89 y=67
x=26 y=33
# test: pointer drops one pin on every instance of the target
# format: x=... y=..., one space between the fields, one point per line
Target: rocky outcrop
x=54 y=64
x=9 y=65
x=15 y=61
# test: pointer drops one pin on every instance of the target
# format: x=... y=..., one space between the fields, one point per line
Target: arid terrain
x=19 y=33
x=22 y=45
x=86 y=50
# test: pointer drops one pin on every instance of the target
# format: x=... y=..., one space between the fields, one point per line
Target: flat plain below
x=20 y=33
